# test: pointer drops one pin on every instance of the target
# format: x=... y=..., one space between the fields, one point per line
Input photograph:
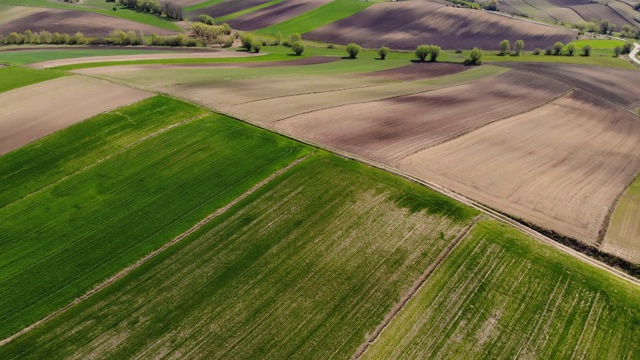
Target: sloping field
x=391 y=129
x=275 y=14
x=81 y=228
x=501 y=295
x=418 y=71
x=15 y=77
x=150 y=56
x=626 y=11
x=560 y=166
x=302 y=268
x=31 y=112
x=623 y=235
x=404 y=25
x=589 y=10
x=545 y=10
x=526 y=7
x=10 y=13
x=228 y=7
x=71 y=21
x=616 y=85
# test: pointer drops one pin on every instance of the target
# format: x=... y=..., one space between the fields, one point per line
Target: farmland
x=501 y=295
x=274 y=14
x=623 y=235
x=122 y=205
x=572 y=11
x=272 y=277
x=14 y=77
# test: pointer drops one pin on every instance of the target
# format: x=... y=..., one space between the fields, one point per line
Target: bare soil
x=70 y=22
x=228 y=7
x=593 y=10
x=561 y=166
x=275 y=14
x=405 y=25
x=417 y=71
x=31 y=112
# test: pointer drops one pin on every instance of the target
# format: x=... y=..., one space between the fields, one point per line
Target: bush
x=278 y=39
x=519 y=46
x=422 y=52
x=616 y=51
x=434 y=52
x=571 y=49
x=383 y=52
x=548 y=51
x=256 y=46
x=206 y=19
x=537 y=51
x=247 y=40
x=297 y=48
x=474 y=58
x=505 y=47
x=353 y=50
x=586 y=50
x=557 y=48
x=627 y=47
x=331 y=46
x=295 y=38
x=458 y=51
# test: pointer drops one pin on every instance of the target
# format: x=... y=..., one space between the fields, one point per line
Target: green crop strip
x=15 y=77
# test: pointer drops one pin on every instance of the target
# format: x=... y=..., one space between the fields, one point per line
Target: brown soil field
x=10 y=13
x=275 y=14
x=560 y=166
x=31 y=112
x=187 y=2
x=404 y=25
x=178 y=55
x=114 y=70
x=417 y=71
x=70 y=22
x=227 y=7
x=590 y=11
x=616 y=85
x=391 y=129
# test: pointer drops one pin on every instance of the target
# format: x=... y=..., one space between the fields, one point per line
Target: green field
x=623 y=234
x=302 y=268
x=324 y=15
x=126 y=190
x=15 y=77
x=99 y=7
x=200 y=5
x=33 y=55
x=246 y=11
x=503 y=295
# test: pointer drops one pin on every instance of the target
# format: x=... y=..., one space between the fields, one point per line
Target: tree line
x=168 y=8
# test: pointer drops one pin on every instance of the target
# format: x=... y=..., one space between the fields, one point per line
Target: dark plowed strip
x=275 y=14
x=419 y=71
x=228 y=7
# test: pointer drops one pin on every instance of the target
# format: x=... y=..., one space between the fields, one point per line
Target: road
x=634 y=53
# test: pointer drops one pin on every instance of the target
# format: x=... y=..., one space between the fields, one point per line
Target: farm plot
x=404 y=25
x=502 y=295
x=590 y=11
x=560 y=166
x=227 y=7
x=15 y=77
x=526 y=7
x=303 y=267
x=80 y=229
x=274 y=14
x=418 y=71
x=626 y=11
x=616 y=85
x=71 y=21
x=623 y=235
x=391 y=129
x=566 y=15
x=31 y=112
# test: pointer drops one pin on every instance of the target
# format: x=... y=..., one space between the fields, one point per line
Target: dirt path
x=152 y=254
x=413 y=290
x=634 y=54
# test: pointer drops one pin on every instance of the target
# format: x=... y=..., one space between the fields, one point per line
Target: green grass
x=503 y=295
x=124 y=13
x=146 y=187
x=33 y=55
x=623 y=233
x=201 y=5
x=15 y=77
x=269 y=57
x=323 y=15
x=303 y=268
x=246 y=11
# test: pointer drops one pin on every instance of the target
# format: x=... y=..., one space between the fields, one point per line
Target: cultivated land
x=218 y=9
x=23 y=120
x=623 y=234
x=391 y=129
x=502 y=295
x=15 y=77
x=24 y=55
x=404 y=25
x=303 y=268
x=572 y=11
x=71 y=21
x=560 y=166
x=79 y=229
x=275 y=14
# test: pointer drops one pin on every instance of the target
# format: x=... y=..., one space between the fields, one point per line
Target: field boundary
x=154 y=253
x=371 y=338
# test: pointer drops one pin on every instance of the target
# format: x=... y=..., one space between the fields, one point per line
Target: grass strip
x=15 y=77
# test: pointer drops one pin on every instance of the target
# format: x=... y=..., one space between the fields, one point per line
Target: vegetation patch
x=15 y=77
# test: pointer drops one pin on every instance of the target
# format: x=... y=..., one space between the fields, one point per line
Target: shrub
x=557 y=48
x=206 y=19
x=519 y=46
x=458 y=51
x=247 y=40
x=331 y=46
x=256 y=46
x=627 y=47
x=537 y=51
x=505 y=47
x=295 y=38
x=434 y=52
x=616 y=51
x=548 y=51
x=353 y=50
x=383 y=52
x=422 y=52
x=586 y=50
x=278 y=39
x=474 y=58
x=571 y=49
x=297 y=48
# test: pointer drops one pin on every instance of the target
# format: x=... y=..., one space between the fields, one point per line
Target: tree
x=626 y=48
x=383 y=52
x=353 y=50
x=519 y=46
x=278 y=38
x=586 y=50
x=297 y=48
x=434 y=52
x=295 y=38
x=422 y=52
x=557 y=48
x=571 y=48
x=505 y=47
x=256 y=46
x=604 y=25
x=206 y=19
x=247 y=40
x=616 y=51
x=475 y=57
x=172 y=10
x=491 y=5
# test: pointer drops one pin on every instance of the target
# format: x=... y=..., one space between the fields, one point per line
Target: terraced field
x=303 y=268
x=502 y=295
x=141 y=185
